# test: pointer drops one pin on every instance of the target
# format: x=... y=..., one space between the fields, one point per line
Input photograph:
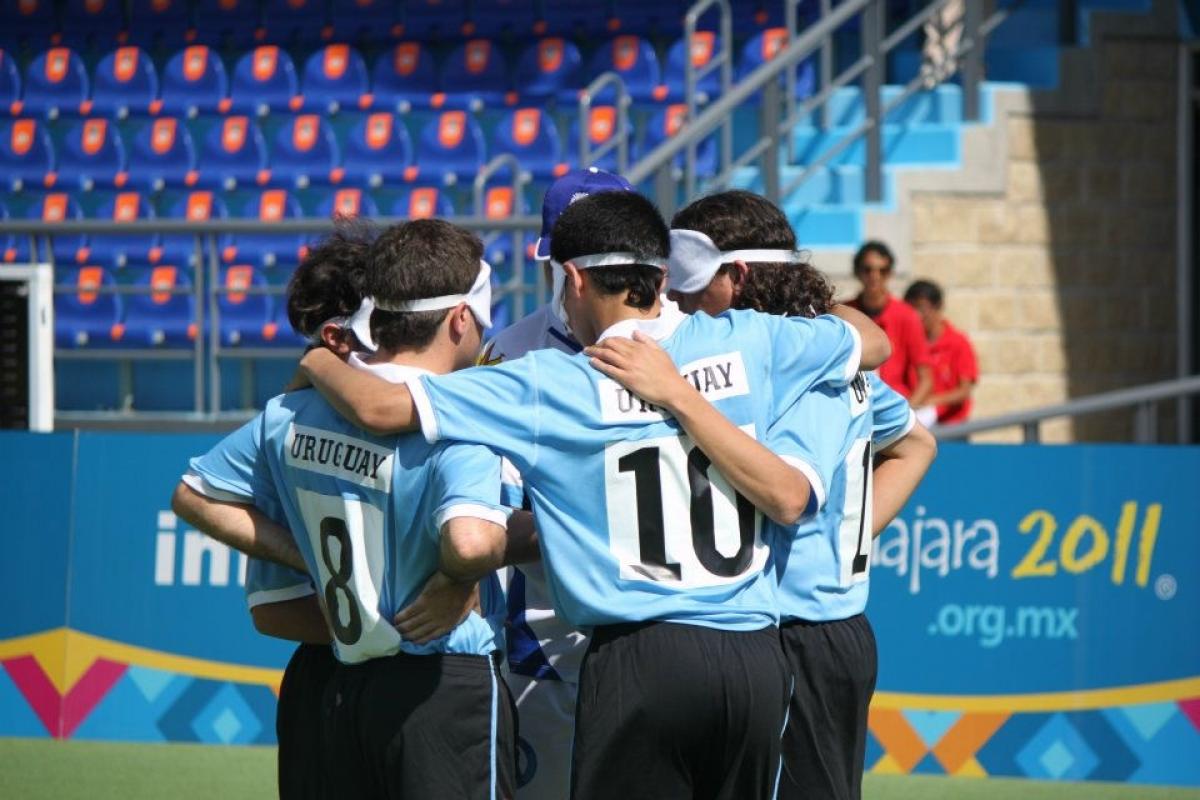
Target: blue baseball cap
x=570 y=187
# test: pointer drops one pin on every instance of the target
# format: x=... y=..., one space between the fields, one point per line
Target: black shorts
x=437 y=726
x=298 y=722
x=835 y=665
x=679 y=711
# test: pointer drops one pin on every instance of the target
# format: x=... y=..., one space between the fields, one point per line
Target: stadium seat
x=264 y=80
x=764 y=46
x=475 y=76
x=26 y=155
x=304 y=152
x=10 y=84
x=579 y=18
x=377 y=150
x=29 y=22
x=116 y=251
x=531 y=135
x=194 y=82
x=162 y=155
x=94 y=23
x=602 y=127
x=233 y=154
x=159 y=23
x=346 y=203
x=125 y=82
x=501 y=202
x=633 y=58
x=664 y=124
x=300 y=22
x=91 y=155
x=53 y=207
x=405 y=77
x=87 y=317
x=222 y=23
x=434 y=20
x=197 y=206
x=268 y=249
x=705 y=45
x=366 y=21
x=494 y=18
x=423 y=202
x=548 y=68
x=55 y=82
x=335 y=79
x=648 y=17
x=451 y=147
x=245 y=318
x=160 y=316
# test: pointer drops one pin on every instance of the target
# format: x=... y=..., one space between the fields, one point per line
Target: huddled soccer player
x=687 y=500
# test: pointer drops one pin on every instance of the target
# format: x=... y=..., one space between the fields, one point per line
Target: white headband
x=616 y=260
x=359 y=323
x=695 y=260
x=478 y=299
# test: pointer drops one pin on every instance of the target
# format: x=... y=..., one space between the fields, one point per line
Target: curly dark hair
x=329 y=281
x=790 y=290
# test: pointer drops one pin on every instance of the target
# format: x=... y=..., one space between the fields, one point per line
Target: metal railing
x=1144 y=399
x=619 y=142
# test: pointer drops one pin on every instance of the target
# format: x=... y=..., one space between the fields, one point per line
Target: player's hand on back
x=642 y=367
x=442 y=604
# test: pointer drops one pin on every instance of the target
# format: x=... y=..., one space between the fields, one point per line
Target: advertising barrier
x=1034 y=606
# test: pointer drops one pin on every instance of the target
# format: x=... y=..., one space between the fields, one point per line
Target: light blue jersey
x=268 y=582
x=367 y=512
x=633 y=522
x=823 y=563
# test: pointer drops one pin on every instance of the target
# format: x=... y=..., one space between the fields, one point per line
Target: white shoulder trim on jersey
x=197 y=483
x=473 y=510
x=854 y=363
x=268 y=596
x=425 y=415
x=883 y=444
x=814 y=479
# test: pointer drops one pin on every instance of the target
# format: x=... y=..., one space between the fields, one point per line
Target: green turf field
x=37 y=769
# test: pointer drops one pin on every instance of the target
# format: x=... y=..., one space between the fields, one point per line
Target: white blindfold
x=478 y=299
x=359 y=323
x=695 y=260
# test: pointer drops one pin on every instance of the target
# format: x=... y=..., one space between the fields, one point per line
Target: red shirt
x=903 y=327
x=953 y=362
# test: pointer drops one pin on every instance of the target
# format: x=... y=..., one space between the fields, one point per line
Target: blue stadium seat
x=55 y=82
x=54 y=207
x=26 y=155
x=434 y=20
x=116 y=251
x=28 y=22
x=574 y=17
x=233 y=155
x=264 y=80
x=346 y=203
x=648 y=17
x=664 y=124
x=531 y=135
x=422 y=202
x=93 y=23
x=194 y=82
x=91 y=155
x=268 y=249
x=336 y=79
x=377 y=150
x=493 y=18
x=304 y=152
x=475 y=76
x=221 y=23
x=301 y=22
x=764 y=46
x=198 y=206
x=405 y=77
x=451 y=147
x=634 y=59
x=548 y=68
x=160 y=317
x=246 y=318
x=87 y=317
x=365 y=20
x=159 y=23
x=10 y=84
x=162 y=155
x=125 y=82
x=602 y=127
x=501 y=202
x=706 y=45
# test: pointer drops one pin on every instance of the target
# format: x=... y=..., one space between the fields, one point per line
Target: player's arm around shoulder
x=367 y=400
x=876 y=347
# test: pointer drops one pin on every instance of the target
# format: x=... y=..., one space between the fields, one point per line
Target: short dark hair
x=615 y=222
x=412 y=260
x=329 y=281
x=878 y=248
x=924 y=290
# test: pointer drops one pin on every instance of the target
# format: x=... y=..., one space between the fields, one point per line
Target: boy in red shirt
x=908 y=370
x=954 y=368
